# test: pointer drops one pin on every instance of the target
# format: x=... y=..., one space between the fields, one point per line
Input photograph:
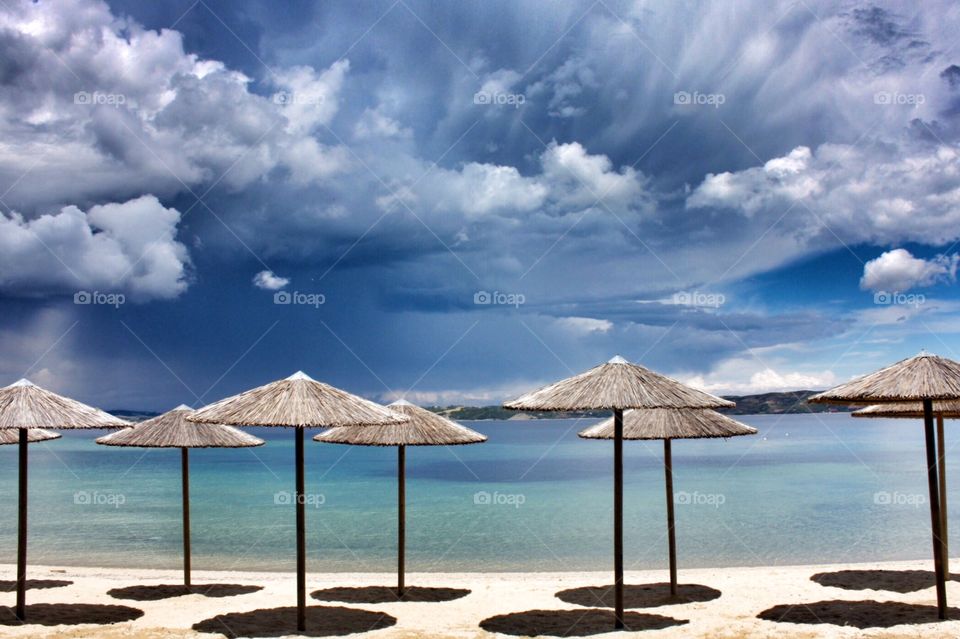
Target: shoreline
x=744 y=593
x=9 y=567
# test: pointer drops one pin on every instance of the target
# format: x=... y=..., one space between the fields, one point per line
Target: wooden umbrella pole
x=671 y=534
x=22 y=531
x=934 y=489
x=185 y=485
x=618 y=517
x=401 y=515
x=942 y=474
x=301 y=536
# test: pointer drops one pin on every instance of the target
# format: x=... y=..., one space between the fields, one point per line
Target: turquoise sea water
x=808 y=488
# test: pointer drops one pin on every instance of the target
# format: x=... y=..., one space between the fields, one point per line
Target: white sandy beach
x=746 y=592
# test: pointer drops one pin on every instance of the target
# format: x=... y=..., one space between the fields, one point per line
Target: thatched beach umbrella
x=297 y=402
x=172 y=430
x=617 y=385
x=424 y=428
x=900 y=410
x=25 y=406
x=669 y=424
x=33 y=435
x=922 y=379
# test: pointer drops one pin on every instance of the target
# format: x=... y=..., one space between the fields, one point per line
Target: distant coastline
x=784 y=403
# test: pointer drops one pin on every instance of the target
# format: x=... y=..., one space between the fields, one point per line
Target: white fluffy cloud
x=309 y=161
x=127 y=247
x=270 y=281
x=578 y=179
x=880 y=193
x=479 y=189
x=309 y=99
x=582 y=326
x=570 y=180
x=374 y=124
x=740 y=376
x=95 y=107
x=899 y=270
x=785 y=178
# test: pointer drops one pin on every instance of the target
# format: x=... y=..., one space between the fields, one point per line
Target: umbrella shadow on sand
x=7 y=585
x=70 y=614
x=638 y=596
x=168 y=591
x=388 y=594
x=856 y=614
x=573 y=623
x=902 y=581
x=321 y=621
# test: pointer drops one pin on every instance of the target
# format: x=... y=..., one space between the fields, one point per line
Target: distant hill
x=132 y=415
x=498 y=412
x=780 y=403
x=764 y=404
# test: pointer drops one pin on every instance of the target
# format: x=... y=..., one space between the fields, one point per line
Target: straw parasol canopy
x=297 y=402
x=924 y=378
x=948 y=409
x=172 y=430
x=24 y=406
x=422 y=428
x=617 y=385
x=10 y=436
x=669 y=424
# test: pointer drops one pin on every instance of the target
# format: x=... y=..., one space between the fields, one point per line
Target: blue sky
x=461 y=201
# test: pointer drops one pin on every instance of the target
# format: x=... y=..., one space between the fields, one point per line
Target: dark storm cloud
x=951 y=75
x=343 y=146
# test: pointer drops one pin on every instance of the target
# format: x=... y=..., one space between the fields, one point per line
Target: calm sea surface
x=808 y=488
